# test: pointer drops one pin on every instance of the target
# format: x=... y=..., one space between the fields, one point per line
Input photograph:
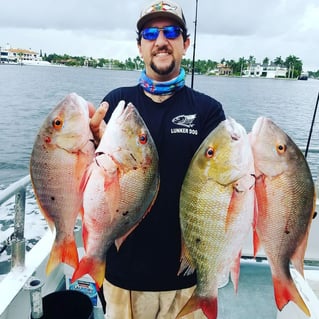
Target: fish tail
x=287 y=291
x=95 y=268
x=208 y=306
x=64 y=251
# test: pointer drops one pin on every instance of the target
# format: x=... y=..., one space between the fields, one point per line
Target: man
x=141 y=278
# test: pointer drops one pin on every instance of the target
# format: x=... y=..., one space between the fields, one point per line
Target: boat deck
x=254 y=298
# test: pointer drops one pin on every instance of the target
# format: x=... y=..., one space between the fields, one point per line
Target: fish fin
x=255 y=216
x=64 y=251
x=232 y=208
x=51 y=224
x=240 y=188
x=82 y=212
x=94 y=267
x=208 y=306
x=256 y=242
x=286 y=291
x=235 y=271
x=119 y=241
x=186 y=262
x=84 y=235
x=84 y=180
x=47 y=217
x=299 y=255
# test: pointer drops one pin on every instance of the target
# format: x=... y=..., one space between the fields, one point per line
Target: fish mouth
x=235 y=131
x=258 y=125
x=122 y=112
x=76 y=99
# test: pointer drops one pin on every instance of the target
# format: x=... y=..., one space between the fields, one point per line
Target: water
x=28 y=93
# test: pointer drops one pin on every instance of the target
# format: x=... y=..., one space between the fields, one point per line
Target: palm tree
x=294 y=66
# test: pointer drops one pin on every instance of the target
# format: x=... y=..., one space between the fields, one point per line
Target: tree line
x=292 y=63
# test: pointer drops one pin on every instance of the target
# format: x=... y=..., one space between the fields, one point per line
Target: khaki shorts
x=128 y=304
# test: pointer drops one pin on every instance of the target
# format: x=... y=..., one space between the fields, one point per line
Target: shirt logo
x=186 y=123
x=184 y=120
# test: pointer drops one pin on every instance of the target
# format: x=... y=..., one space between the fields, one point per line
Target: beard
x=163 y=71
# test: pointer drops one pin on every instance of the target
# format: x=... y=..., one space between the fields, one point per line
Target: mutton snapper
x=286 y=202
x=216 y=212
x=122 y=184
x=62 y=151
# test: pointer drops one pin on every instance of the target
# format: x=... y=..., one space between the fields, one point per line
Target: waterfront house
x=221 y=69
x=14 y=56
x=268 y=71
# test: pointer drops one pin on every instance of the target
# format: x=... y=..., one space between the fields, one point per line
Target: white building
x=268 y=71
x=11 y=55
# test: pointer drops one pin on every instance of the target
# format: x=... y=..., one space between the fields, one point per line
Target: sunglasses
x=171 y=32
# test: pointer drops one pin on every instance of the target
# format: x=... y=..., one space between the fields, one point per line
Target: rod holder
x=18 y=241
x=18 y=253
x=34 y=286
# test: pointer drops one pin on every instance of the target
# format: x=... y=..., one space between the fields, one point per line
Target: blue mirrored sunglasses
x=170 y=32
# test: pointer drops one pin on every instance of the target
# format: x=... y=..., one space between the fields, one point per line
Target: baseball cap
x=159 y=9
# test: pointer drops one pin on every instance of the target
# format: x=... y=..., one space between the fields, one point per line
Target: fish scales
x=286 y=202
x=216 y=212
x=277 y=233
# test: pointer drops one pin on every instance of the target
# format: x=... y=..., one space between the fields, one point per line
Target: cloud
x=225 y=28
x=68 y=15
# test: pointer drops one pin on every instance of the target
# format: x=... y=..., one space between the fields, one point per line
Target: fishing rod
x=194 y=47
x=312 y=123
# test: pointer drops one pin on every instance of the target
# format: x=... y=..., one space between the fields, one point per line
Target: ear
x=140 y=50
x=186 y=45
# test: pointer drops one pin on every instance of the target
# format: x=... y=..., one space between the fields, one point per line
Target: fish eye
x=281 y=148
x=209 y=152
x=142 y=138
x=57 y=123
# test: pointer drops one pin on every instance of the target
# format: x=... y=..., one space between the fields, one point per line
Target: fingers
x=97 y=123
x=91 y=109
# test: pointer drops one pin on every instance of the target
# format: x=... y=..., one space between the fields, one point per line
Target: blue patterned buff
x=162 y=88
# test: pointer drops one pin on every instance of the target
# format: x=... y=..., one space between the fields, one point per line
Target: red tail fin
x=287 y=291
x=94 y=267
x=64 y=251
x=208 y=306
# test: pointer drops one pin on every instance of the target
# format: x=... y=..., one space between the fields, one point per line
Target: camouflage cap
x=159 y=9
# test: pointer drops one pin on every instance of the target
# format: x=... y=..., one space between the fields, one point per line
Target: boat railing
x=17 y=189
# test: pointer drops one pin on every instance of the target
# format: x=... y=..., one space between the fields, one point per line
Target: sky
x=226 y=29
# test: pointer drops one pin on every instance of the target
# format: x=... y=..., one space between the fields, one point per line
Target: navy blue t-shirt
x=149 y=258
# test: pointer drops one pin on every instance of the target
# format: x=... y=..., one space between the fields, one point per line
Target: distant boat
x=35 y=62
x=40 y=63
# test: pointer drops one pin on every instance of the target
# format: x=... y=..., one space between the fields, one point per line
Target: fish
x=216 y=212
x=121 y=186
x=285 y=203
x=63 y=149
